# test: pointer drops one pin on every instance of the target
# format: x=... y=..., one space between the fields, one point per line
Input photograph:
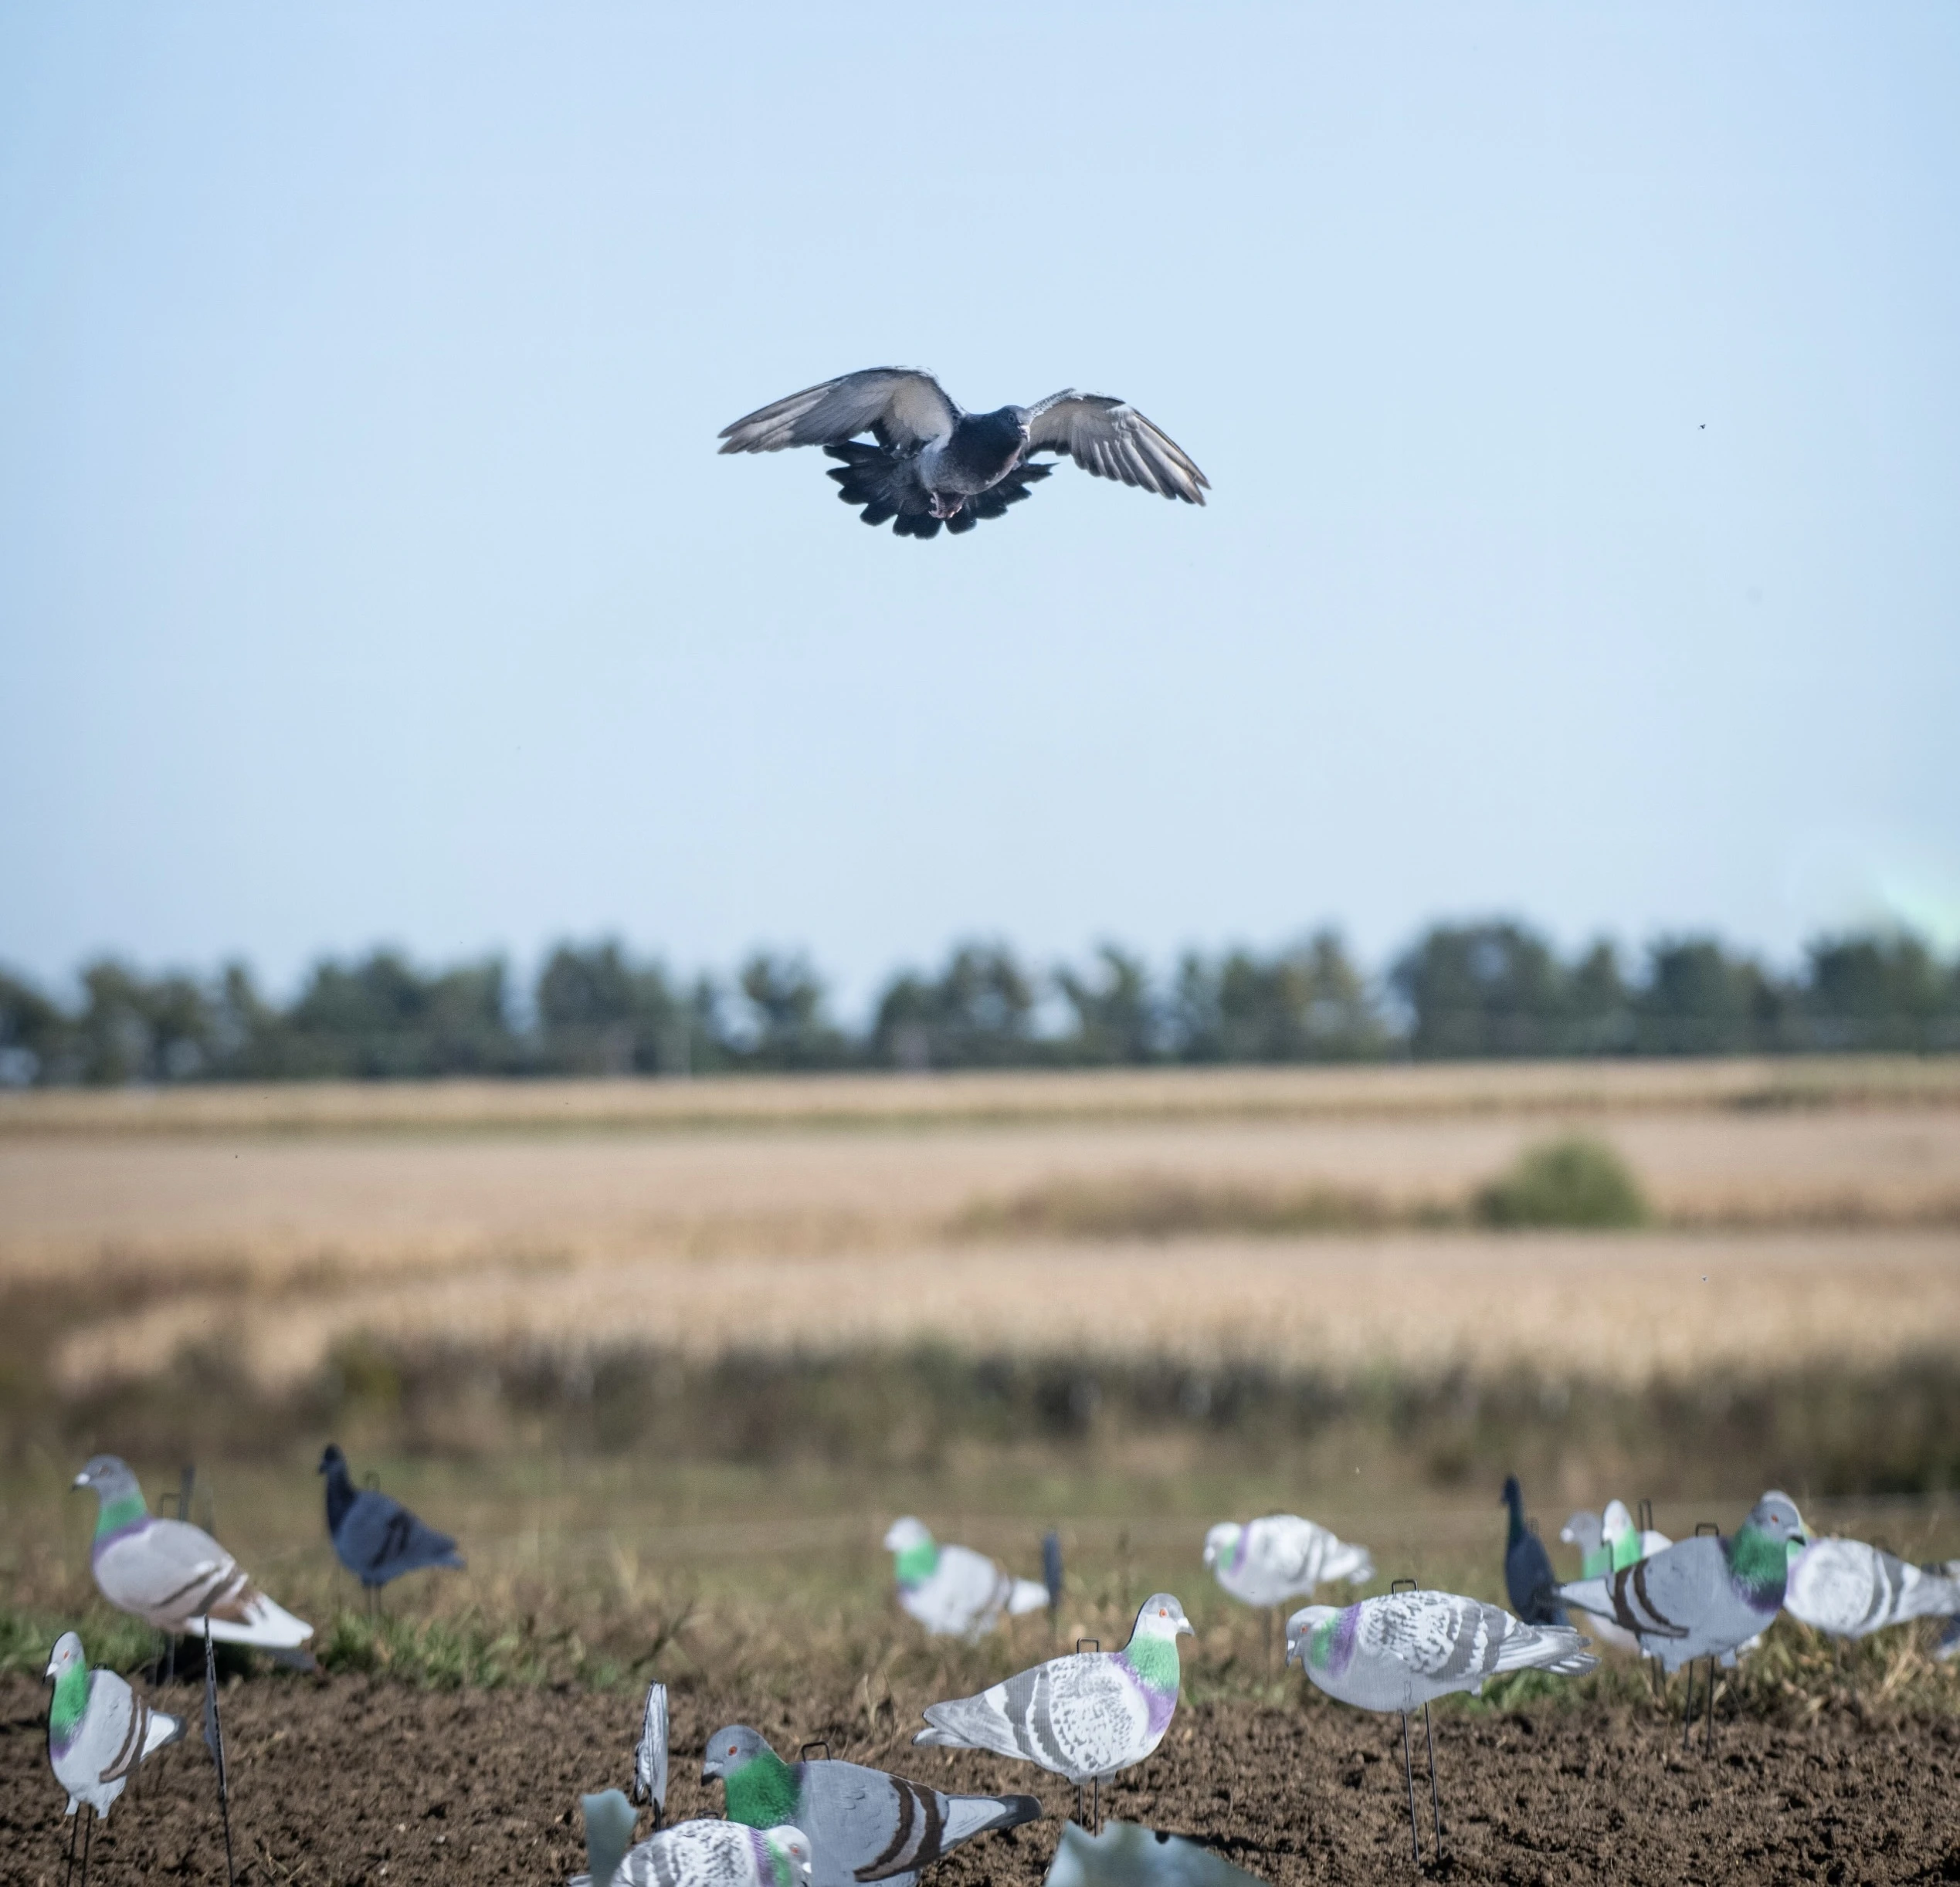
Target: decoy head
x=67 y=1656
x=794 y=1845
x=906 y=1534
x=1776 y=1515
x=1583 y=1531
x=330 y=1459
x=109 y=1474
x=731 y=1750
x=1162 y=1617
x=1221 y=1540
x=1512 y=1496
x=609 y=1820
x=1302 y=1625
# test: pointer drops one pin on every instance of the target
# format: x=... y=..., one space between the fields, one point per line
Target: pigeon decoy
x=1086 y=1717
x=1704 y=1597
x=690 y=1854
x=933 y=464
x=173 y=1575
x=650 y=1753
x=1399 y=1651
x=99 y=1729
x=1529 y=1579
x=863 y=1824
x=377 y=1538
x=954 y=1591
x=1268 y=1561
x=1848 y=1589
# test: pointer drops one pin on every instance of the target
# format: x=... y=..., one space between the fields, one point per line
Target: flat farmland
x=1805 y=1210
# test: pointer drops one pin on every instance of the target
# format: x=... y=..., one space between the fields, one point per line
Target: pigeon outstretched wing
x=1112 y=439
x=898 y=406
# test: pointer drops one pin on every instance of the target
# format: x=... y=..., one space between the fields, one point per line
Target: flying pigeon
x=1704 y=1597
x=99 y=1729
x=650 y=1754
x=863 y=1824
x=933 y=464
x=1267 y=1562
x=1398 y=1652
x=1086 y=1717
x=377 y=1538
x=690 y=1854
x=954 y=1591
x=1529 y=1579
x=173 y=1575
x=1848 y=1589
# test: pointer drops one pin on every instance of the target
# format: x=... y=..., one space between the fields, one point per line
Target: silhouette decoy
x=377 y=1538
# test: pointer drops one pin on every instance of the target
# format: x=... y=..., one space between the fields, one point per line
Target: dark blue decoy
x=1529 y=1579
x=377 y=1538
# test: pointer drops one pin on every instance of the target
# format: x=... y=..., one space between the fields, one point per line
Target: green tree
x=1116 y=1017
x=978 y=1013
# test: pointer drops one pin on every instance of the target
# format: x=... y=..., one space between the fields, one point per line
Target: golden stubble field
x=1807 y=1209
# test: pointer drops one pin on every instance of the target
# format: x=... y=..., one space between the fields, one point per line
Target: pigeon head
x=731 y=1750
x=609 y=1820
x=1222 y=1541
x=906 y=1534
x=110 y=1476
x=1583 y=1531
x=793 y=1845
x=1776 y=1516
x=67 y=1656
x=1162 y=1617
x=1512 y=1496
x=331 y=1458
x=1615 y=1523
x=1301 y=1626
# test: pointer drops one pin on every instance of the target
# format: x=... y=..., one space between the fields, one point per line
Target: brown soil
x=365 y=1780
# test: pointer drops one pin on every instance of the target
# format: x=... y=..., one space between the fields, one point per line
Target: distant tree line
x=1494 y=989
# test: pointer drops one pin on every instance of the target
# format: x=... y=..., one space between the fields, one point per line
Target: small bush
x=1570 y=1182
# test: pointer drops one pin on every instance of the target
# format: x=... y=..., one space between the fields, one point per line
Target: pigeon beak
x=1185 y=1624
x=80 y=1480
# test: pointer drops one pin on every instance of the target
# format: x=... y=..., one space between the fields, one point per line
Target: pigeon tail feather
x=263 y=1623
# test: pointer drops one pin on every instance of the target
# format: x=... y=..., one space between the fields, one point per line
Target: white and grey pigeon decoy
x=690 y=1854
x=1583 y=1529
x=1628 y=1542
x=933 y=464
x=1399 y=1651
x=863 y=1824
x=650 y=1753
x=1086 y=1717
x=1267 y=1562
x=1704 y=1597
x=1848 y=1589
x=99 y=1729
x=173 y=1575
x=374 y=1536
x=953 y=1591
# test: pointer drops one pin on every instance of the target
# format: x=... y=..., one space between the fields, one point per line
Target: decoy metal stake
x=88 y=1834
x=1708 y=1736
x=1436 y=1801
x=74 y=1829
x=1408 y=1769
x=213 y=1735
x=1687 y=1715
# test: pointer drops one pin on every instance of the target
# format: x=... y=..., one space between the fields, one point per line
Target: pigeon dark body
x=933 y=465
x=1528 y=1578
x=377 y=1538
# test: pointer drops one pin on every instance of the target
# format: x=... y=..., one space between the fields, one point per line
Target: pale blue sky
x=367 y=571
